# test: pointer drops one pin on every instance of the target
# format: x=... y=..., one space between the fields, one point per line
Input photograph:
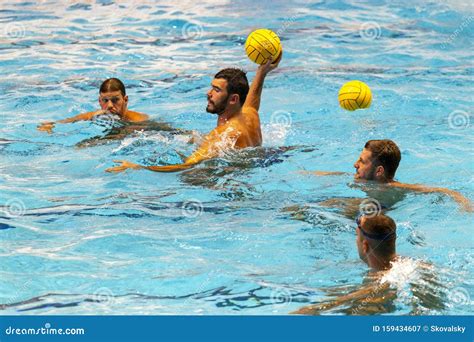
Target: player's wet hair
x=237 y=82
x=112 y=84
x=385 y=153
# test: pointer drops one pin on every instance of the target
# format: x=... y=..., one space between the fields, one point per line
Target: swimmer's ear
x=125 y=98
x=379 y=171
x=234 y=98
x=365 y=246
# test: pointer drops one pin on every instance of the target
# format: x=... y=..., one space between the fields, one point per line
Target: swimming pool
x=219 y=239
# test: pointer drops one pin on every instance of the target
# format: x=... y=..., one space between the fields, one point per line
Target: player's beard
x=371 y=173
x=217 y=108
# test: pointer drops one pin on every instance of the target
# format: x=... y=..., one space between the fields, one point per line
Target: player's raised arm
x=255 y=91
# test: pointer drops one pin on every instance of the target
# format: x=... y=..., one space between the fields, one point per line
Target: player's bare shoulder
x=136 y=116
x=250 y=111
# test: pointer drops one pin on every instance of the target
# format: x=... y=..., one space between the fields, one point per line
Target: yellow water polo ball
x=355 y=95
x=261 y=44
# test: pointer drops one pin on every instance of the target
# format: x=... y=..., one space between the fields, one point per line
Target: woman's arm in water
x=48 y=126
x=464 y=202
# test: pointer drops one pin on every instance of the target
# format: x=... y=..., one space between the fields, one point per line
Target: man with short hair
x=376 y=236
x=112 y=100
x=238 y=122
x=375 y=240
x=379 y=161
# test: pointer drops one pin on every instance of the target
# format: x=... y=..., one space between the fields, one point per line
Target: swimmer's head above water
x=112 y=97
x=229 y=89
x=378 y=161
x=376 y=237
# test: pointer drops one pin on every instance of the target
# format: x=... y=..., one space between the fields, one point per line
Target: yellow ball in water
x=355 y=95
x=261 y=44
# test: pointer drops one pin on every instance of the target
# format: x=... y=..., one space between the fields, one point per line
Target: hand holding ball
x=262 y=44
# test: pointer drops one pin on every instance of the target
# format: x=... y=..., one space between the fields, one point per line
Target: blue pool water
x=225 y=238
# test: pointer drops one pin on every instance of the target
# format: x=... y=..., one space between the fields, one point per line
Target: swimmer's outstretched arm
x=124 y=165
x=48 y=126
x=211 y=147
x=325 y=173
x=368 y=293
x=255 y=91
x=464 y=202
x=118 y=133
